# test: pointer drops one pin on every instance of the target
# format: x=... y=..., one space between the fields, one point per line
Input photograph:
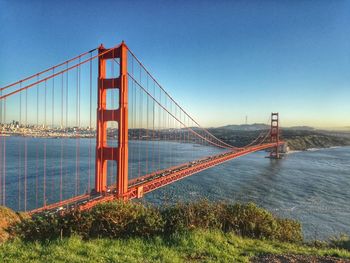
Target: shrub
x=342 y=242
x=75 y=222
x=187 y=216
x=39 y=227
x=117 y=219
x=249 y=220
x=124 y=219
x=288 y=230
x=120 y=219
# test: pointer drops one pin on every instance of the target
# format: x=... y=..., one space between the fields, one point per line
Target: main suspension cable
x=47 y=70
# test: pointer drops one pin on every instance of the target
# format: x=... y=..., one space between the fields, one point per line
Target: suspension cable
x=57 y=73
x=160 y=86
x=218 y=145
x=47 y=70
x=167 y=94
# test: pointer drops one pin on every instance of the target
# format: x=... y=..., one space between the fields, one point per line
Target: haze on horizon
x=220 y=60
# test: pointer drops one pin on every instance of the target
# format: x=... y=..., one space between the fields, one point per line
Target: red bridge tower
x=104 y=152
x=274 y=135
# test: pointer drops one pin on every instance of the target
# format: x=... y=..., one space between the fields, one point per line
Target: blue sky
x=221 y=60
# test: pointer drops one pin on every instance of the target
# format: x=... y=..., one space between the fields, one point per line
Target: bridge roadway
x=145 y=184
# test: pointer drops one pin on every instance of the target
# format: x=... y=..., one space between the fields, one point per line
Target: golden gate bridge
x=71 y=152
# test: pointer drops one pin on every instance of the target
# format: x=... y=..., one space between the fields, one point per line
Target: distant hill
x=261 y=126
x=298 y=138
x=245 y=127
x=301 y=128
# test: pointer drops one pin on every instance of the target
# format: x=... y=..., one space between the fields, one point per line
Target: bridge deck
x=140 y=186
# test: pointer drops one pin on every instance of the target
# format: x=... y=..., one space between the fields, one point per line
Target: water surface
x=311 y=186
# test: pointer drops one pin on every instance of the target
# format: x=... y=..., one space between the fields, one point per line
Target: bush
x=187 y=216
x=288 y=230
x=124 y=219
x=117 y=219
x=75 y=222
x=342 y=242
x=249 y=220
x=39 y=227
x=52 y=226
x=255 y=222
x=120 y=219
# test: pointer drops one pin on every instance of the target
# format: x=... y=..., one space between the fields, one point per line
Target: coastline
x=88 y=135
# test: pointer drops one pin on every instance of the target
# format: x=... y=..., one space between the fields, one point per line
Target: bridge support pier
x=104 y=152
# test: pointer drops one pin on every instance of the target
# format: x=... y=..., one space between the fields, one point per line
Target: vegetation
x=7 y=218
x=342 y=242
x=297 y=139
x=193 y=246
x=305 y=142
x=133 y=232
x=120 y=220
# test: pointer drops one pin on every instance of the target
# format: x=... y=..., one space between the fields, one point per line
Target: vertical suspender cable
x=25 y=152
x=79 y=125
x=76 y=132
x=19 y=150
x=2 y=128
x=140 y=129
x=147 y=116
x=52 y=142
x=4 y=162
x=159 y=130
x=132 y=92
x=66 y=126
x=171 y=133
x=44 y=179
x=37 y=147
x=136 y=142
x=61 y=140
x=90 y=124
x=166 y=131
x=159 y=127
x=153 y=113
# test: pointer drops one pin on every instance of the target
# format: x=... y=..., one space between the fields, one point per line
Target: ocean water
x=311 y=186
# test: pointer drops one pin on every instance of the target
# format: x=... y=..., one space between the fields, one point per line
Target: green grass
x=131 y=232
x=193 y=246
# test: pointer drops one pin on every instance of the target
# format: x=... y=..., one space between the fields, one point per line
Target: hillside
x=186 y=232
x=245 y=127
x=307 y=140
x=297 y=139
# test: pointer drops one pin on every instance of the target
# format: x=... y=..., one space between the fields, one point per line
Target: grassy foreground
x=193 y=246
x=133 y=232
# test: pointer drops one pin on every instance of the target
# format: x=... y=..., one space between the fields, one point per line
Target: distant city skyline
x=222 y=60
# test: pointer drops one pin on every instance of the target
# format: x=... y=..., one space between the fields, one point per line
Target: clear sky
x=221 y=60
